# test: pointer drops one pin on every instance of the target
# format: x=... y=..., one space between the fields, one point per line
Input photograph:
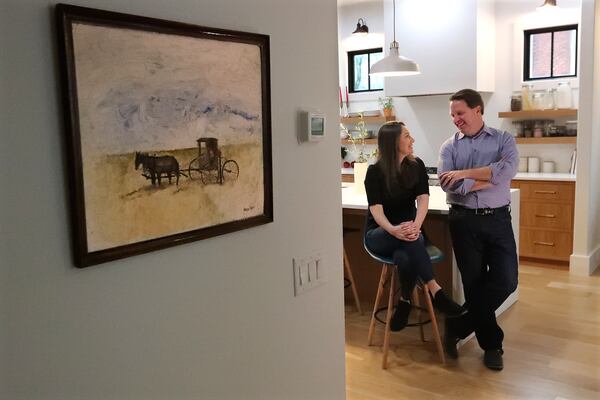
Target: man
x=475 y=168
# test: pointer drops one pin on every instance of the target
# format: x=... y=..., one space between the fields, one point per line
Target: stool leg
x=417 y=303
x=434 y=325
x=377 y=300
x=386 y=335
x=352 y=283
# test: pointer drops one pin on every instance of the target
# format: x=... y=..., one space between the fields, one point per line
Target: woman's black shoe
x=447 y=306
x=400 y=317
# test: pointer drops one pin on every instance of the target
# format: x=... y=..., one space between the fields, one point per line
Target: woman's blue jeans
x=411 y=258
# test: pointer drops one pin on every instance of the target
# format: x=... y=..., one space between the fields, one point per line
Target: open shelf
x=539 y=114
x=378 y=119
x=547 y=140
x=367 y=141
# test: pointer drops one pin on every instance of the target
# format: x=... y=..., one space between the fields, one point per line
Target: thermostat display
x=312 y=126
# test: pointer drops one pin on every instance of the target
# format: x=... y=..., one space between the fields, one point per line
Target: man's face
x=468 y=120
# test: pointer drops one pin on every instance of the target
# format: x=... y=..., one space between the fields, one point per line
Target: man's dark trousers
x=485 y=250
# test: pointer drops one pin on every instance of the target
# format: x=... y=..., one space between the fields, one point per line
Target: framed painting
x=168 y=130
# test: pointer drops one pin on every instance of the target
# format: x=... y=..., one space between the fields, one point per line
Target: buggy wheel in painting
x=194 y=169
x=230 y=171
x=209 y=176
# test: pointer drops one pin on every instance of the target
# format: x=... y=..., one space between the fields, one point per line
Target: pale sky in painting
x=149 y=91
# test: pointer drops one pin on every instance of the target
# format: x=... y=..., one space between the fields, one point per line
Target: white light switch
x=309 y=273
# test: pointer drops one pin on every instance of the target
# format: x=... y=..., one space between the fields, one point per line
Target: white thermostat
x=312 y=126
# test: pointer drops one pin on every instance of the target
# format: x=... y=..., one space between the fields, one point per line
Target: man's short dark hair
x=469 y=96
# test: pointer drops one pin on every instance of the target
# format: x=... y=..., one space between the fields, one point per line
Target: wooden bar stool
x=350 y=280
x=388 y=278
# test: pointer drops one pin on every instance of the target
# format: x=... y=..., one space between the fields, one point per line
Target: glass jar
x=515 y=102
x=538 y=129
x=527 y=129
x=550 y=99
x=571 y=128
x=563 y=95
x=538 y=100
x=526 y=97
x=518 y=128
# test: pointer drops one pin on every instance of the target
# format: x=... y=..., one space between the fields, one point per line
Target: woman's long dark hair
x=387 y=142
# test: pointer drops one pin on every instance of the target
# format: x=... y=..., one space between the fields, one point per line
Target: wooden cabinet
x=452 y=41
x=546 y=223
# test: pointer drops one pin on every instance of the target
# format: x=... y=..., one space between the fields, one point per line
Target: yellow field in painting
x=122 y=206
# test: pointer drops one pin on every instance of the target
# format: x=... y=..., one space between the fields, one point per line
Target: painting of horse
x=155 y=167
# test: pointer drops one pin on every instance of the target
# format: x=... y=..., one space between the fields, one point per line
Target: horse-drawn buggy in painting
x=210 y=165
x=157 y=167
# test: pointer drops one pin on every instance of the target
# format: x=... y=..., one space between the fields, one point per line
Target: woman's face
x=405 y=143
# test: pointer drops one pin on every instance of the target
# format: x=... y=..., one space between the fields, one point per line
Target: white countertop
x=352 y=199
x=528 y=176
x=358 y=201
x=539 y=176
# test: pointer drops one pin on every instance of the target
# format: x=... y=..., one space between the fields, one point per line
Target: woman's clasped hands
x=408 y=231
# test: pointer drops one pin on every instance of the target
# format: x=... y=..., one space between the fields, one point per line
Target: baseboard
x=585 y=264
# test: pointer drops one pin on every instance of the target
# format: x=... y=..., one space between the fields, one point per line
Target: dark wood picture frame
x=258 y=123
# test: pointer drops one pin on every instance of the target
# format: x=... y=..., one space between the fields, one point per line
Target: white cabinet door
x=452 y=41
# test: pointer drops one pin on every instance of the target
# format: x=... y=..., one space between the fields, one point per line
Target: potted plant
x=388 y=107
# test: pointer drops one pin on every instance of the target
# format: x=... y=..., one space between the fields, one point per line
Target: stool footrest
x=424 y=322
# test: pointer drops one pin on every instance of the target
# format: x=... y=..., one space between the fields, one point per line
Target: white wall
x=586 y=246
x=214 y=319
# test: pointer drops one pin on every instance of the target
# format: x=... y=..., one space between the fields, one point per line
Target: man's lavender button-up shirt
x=490 y=147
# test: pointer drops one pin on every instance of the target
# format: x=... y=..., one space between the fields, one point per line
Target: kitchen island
x=366 y=271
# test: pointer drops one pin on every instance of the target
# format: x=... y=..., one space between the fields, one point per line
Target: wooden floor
x=552 y=350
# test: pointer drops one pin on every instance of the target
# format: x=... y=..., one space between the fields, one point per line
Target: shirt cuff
x=495 y=169
x=467 y=185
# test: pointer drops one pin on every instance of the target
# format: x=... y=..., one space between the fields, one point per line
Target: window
x=359 y=65
x=550 y=53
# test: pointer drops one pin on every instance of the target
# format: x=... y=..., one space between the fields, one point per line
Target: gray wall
x=214 y=319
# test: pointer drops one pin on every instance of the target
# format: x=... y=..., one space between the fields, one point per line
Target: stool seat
x=435 y=254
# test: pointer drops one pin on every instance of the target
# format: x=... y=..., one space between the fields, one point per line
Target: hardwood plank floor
x=552 y=350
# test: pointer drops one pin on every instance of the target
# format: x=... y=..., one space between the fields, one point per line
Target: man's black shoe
x=450 y=341
x=493 y=359
x=400 y=317
x=446 y=305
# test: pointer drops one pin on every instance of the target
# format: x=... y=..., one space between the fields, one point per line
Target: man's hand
x=451 y=177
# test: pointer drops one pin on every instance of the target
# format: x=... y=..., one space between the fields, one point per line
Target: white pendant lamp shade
x=394 y=64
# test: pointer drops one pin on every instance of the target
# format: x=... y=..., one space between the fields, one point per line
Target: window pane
x=564 y=53
x=376 y=81
x=539 y=56
x=361 y=72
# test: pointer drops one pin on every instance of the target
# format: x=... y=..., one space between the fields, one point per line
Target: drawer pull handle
x=545 y=191
x=544 y=244
x=545 y=215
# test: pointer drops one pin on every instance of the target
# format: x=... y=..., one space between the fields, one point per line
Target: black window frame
x=351 y=55
x=526 y=50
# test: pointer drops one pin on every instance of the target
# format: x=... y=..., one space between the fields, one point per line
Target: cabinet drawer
x=545 y=244
x=546 y=216
x=547 y=191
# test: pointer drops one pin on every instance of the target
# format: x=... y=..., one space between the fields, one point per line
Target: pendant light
x=394 y=64
x=548 y=4
x=361 y=28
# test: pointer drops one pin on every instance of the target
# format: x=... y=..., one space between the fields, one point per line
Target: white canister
x=533 y=164
x=548 y=167
x=522 y=164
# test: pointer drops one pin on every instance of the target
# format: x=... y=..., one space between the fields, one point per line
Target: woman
x=393 y=227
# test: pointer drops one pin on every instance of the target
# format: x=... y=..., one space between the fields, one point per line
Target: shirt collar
x=485 y=129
